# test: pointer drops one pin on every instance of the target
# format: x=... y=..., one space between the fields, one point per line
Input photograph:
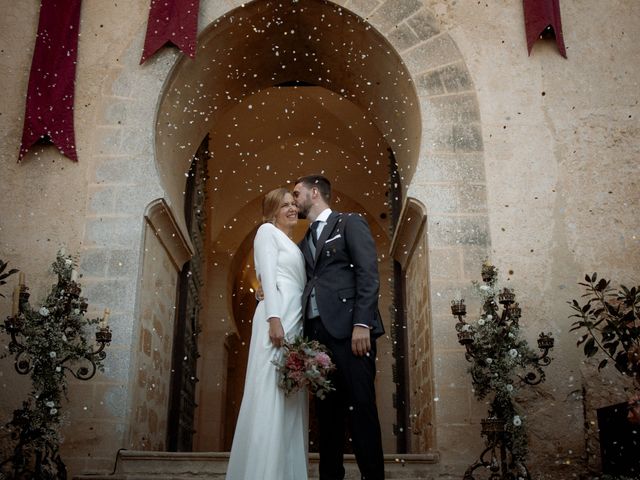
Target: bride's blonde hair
x=272 y=202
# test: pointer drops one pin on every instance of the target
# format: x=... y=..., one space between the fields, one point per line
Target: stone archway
x=428 y=114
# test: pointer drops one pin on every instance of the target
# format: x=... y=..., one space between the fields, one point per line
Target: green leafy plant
x=610 y=323
x=4 y=275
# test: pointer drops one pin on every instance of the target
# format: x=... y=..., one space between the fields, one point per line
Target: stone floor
x=132 y=465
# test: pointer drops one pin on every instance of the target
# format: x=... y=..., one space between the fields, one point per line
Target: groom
x=340 y=308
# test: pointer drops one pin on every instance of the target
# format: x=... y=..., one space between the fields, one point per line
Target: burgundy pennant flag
x=174 y=21
x=540 y=14
x=50 y=95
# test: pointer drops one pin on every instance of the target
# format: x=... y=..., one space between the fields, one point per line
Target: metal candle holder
x=501 y=463
x=23 y=363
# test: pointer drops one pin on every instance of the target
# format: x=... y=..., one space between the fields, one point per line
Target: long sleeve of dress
x=265 y=247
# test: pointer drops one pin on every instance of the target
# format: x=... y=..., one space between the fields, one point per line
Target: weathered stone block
x=110 y=141
x=431 y=54
x=117 y=365
x=475 y=231
x=93 y=262
x=456 y=78
x=114 y=111
x=124 y=170
x=429 y=83
x=439 y=199
x=123 y=262
x=453 y=404
x=424 y=24
x=455 y=167
x=362 y=7
x=402 y=37
x=445 y=263
x=134 y=199
x=466 y=137
x=114 y=232
x=472 y=199
x=460 y=108
x=393 y=12
x=118 y=295
x=101 y=199
x=472 y=259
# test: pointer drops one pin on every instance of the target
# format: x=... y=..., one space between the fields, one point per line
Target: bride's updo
x=271 y=203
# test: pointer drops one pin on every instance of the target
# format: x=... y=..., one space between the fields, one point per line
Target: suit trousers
x=352 y=403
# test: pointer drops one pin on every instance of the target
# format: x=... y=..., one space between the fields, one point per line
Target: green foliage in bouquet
x=304 y=364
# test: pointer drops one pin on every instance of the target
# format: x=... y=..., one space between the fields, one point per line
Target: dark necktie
x=314 y=232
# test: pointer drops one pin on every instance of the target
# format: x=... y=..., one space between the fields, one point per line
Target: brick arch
x=446 y=173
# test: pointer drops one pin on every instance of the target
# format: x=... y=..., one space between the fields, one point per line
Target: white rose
x=509 y=388
x=481 y=322
x=513 y=353
x=489 y=317
x=53 y=411
x=517 y=421
x=489 y=361
x=67 y=261
x=44 y=311
x=50 y=404
x=52 y=354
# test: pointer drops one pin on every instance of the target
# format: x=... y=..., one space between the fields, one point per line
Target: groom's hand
x=259 y=293
x=360 y=340
x=276 y=332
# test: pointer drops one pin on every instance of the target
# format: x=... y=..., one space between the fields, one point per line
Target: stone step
x=135 y=465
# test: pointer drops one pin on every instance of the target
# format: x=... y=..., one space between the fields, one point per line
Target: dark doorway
x=182 y=400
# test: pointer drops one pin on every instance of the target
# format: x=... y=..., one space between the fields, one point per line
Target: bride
x=271 y=434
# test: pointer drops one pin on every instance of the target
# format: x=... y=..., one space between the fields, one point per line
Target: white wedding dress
x=270 y=441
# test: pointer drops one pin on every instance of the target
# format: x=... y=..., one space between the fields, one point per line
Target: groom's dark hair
x=321 y=182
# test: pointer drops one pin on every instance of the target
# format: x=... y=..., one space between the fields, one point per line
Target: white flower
x=489 y=317
x=53 y=411
x=517 y=421
x=481 y=322
x=485 y=288
x=466 y=327
x=44 y=311
x=489 y=361
x=52 y=354
x=513 y=353
x=64 y=338
x=58 y=369
x=50 y=404
x=509 y=387
x=67 y=261
x=76 y=311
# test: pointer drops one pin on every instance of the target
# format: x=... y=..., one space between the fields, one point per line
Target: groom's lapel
x=326 y=231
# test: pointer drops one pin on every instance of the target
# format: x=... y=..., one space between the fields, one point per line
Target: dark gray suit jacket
x=344 y=274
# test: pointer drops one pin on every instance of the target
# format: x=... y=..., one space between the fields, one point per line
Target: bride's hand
x=276 y=332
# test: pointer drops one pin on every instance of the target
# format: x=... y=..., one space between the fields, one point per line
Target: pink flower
x=323 y=360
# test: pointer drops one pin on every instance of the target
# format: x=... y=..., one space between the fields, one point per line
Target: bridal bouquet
x=303 y=364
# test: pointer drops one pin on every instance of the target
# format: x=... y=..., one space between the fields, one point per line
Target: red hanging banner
x=174 y=21
x=50 y=95
x=540 y=14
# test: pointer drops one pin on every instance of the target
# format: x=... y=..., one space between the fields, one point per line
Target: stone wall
x=152 y=378
x=419 y=333
x=531 y=160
